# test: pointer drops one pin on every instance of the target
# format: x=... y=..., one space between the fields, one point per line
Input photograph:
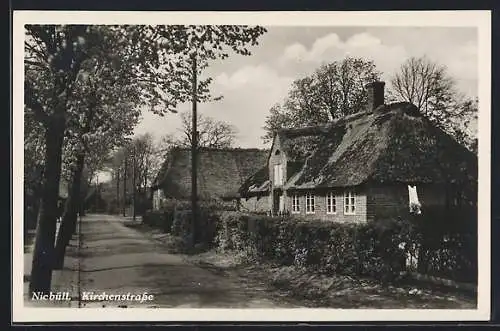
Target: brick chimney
x=375 y=95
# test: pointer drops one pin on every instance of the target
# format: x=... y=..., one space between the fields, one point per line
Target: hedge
x=175 y=217
x=377 y=249
x=446 y=243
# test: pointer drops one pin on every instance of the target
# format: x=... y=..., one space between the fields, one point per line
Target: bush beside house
x=175 y=217
x=442 y=244
x=377 y=249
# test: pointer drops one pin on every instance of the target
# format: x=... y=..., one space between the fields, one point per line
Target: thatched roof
x=391 y=144
x=256 y=184
x=221 y=172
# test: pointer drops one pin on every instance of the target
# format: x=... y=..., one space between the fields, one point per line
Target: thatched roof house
x=383 y=147
x=221 y=172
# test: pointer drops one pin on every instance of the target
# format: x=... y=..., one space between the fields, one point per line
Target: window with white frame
x=349 y=203
x=295 y=204
x=309 y=203
x=331 y=203
x=278 y=174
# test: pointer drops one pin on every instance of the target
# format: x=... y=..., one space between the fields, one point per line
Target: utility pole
x=96 y=192
x=118 y=191
x=133 y=183
x=125 y=185
x=194 y=147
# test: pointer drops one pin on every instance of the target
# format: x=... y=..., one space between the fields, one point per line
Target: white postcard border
x=479 y=19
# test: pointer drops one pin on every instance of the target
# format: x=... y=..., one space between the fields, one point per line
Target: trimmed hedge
x=326 y=247
x=445 y=243
x=376 y=249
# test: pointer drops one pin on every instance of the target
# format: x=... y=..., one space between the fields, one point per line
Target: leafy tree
x=34 y=149
x=54 y=55
x=159 y=58
x=334 y=90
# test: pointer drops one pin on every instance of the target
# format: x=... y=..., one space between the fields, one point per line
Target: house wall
x=432 y=195
x=320 y=206
x=277 y=156
x=277 y=159
x=386 y=201
x=158 y=198
x=255 y=204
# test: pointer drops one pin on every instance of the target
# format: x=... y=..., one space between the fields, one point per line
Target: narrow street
x=116 y=259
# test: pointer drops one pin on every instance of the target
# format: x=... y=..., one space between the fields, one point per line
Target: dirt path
x=116 y=259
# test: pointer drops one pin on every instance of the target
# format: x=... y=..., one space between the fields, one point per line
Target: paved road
x=118 y=260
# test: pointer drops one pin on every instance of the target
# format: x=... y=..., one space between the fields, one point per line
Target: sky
x=251 y=85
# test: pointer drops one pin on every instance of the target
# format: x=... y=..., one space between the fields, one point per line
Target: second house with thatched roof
x=221 y=172
x=383 y=161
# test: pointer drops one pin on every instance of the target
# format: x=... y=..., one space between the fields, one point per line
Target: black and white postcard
x=251 y=166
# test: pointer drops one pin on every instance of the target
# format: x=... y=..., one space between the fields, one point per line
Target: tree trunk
x=68 y=224
x=41 y=270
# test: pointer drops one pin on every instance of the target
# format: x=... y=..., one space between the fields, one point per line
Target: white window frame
x=331 y=203
x=350 y=195
x=309 y=199
x=295 y=204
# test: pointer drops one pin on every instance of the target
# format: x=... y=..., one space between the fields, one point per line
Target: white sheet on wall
x=413 y=202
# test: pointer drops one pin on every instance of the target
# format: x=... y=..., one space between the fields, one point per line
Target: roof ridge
x=326 y=126
x=225 y=149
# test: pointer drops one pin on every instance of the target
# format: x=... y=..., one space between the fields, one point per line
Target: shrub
x=327 y=247
x=161 y=219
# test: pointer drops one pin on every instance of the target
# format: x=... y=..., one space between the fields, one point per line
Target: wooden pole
x=117 y=192
x=125 y=185
x=133 y=184
x=194 y=147
x=96 y=193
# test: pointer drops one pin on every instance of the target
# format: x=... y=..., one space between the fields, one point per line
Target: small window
x=295 y=204
x=277 y=152
x=309 y=203
x=331 y=203
x=349 y=203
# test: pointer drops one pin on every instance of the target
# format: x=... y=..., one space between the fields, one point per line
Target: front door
x=278 y=203
x=281 y=203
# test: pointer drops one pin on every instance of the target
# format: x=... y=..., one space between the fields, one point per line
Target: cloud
x=248 y=93
x=250 y=86
x=331 y=47
x=388 y=50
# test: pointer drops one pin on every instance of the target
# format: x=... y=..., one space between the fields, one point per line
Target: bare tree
x=429 y=86
x=211 y=133
x=424 y=83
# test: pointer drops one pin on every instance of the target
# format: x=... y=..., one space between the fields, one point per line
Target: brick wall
x=431 y=195
x=372 y=202
x=387 y=201
x=320 y=206
x=255 y=204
